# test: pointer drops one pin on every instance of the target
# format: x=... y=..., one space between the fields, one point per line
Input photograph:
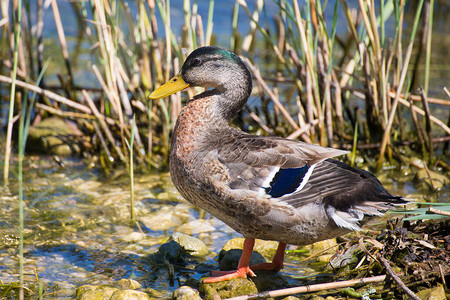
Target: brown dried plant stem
x=311 y=288
x=397 y=279
x=393 y=111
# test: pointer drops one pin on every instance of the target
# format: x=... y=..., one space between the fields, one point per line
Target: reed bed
x=352 y=88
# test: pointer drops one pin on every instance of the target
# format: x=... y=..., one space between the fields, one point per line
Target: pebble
x=186 y=293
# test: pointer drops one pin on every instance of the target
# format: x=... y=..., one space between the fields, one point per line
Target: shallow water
x=77 y=228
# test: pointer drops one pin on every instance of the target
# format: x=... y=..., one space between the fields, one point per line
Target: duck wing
x=296 y=173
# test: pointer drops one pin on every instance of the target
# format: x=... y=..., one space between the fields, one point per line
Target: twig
x=103 y=124
x=48 y=94
x=310 y=288
x=272 y=96
x=442 y=275
x=421 y=112
x=397 y=279
x=439 y=211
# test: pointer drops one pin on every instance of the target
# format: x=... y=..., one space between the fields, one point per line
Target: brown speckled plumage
x=263 y=187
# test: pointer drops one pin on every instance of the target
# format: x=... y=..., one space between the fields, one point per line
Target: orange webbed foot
x=227 y=275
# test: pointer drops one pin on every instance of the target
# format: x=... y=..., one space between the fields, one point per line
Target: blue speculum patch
x=286 y=181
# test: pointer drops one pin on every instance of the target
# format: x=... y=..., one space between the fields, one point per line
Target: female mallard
x=263 y=187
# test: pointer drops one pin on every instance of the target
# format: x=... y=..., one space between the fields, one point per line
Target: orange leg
x=277 y=262
x=243 y=266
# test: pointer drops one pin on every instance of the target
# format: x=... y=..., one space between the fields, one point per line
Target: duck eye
x=196 y=62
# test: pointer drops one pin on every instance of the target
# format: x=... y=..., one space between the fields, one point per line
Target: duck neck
x=231 y=95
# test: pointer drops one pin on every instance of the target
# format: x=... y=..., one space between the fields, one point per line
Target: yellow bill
x=172 y=86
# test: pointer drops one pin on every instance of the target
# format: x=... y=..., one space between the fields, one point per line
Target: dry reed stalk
x=427 y=123
x=421 y=112
x=175 y=99
x=144 y=37
x=47 y=93
x=109 y=95
x=272 y=96
x=168 y=45
x=249 y=38
x=102 y=141
x=260 y=123
x=103 y=124
x=429 y=100
x=393 y=111
x=40 y=42
x=311 y=288
x=64 y=114
x=210 y=25
x=63 y=43
x=419 y=129
x=309 y=103
x=200 y=32
x=302 y=131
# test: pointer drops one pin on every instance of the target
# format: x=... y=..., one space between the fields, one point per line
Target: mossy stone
x=227 y=289
x=127 y=284
x=186 y=293
x=191 y=244
x=54 y=136
x=95 y=292
x=434 y=293
x=265 y=248
x=129 y=295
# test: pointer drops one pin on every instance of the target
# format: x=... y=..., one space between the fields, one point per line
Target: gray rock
x=129 y=284
x=191 y=244
x=55 y=136
x=94 y=292
x=228 y=260
x=186 y=293
x=129 y=295
x=228 y=289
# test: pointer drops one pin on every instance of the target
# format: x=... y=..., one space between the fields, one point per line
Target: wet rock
x=435 y=293
x=171 y=252
x=133 y=237
x=321 y=246
x=129 y=284
x=167 y=217
x=266 y=248
x=269 y=280
x=191 y=244
x=228 y=289
x=347 y=258
x=129 y=295
x=228 y=260
x=430 y=181
x=196 y=227
x=54 y=136
x=94 y=292
x=186 y=293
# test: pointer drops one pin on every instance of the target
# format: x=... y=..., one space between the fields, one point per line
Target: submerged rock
x=228 y=289
x=430 y=181
x=167 y=217
x=128 y=284
x=55 y=136
x=106 y=292
x=266 y=248
x=186 y=293
x=194 y=246
x=129 y=295
x=435 y=293
x=228 y=260
x=95 y=292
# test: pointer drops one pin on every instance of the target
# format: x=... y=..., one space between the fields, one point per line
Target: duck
x=263 y=187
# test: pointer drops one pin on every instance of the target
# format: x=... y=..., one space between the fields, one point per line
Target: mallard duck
x=268 y=188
